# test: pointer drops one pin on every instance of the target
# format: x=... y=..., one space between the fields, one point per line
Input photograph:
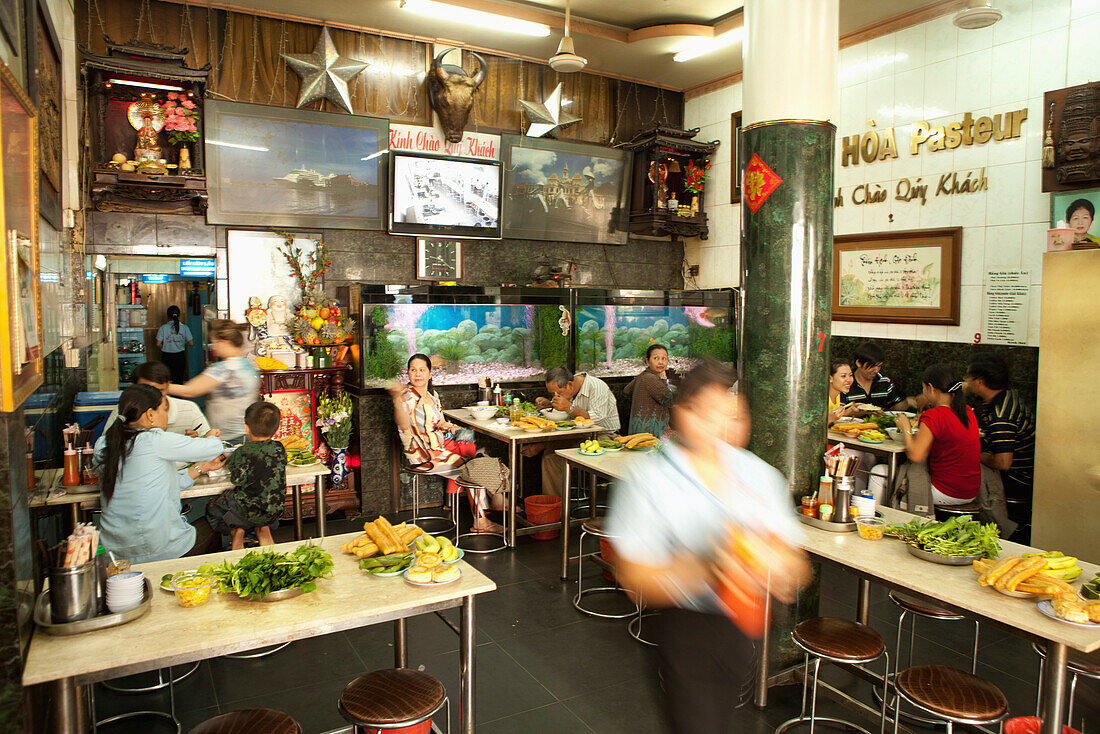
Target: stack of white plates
x=865 y=505
x=125 y=591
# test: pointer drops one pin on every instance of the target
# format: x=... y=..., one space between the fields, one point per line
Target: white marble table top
x=613 y=464
x=889 y=446
x=204 y=486
x=508 y=434
x=170 y=634
x=888 y=562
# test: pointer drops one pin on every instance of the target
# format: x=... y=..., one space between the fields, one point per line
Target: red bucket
x=607 y=552
x=423 y=727
x=542 y=509
x=1031 y=725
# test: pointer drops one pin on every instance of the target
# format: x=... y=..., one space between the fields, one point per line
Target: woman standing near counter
x=650 y=393
x=140 y=486
x=233 y=383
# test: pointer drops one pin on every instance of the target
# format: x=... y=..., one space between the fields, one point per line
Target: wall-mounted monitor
x=452 y=197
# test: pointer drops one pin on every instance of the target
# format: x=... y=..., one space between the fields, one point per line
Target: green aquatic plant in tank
x=381 y=360
x=552 y=344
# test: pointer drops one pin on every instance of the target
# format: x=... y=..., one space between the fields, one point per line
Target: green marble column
x=786 y=275
x=786 y=266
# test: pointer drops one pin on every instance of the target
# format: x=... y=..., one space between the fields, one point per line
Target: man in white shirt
x=184 y=417
x=581 y=396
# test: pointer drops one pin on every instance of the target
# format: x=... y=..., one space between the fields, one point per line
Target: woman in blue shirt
x=139 y=484
x=173 y=338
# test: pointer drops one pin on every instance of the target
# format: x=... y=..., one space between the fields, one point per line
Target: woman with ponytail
x=947 y=439
x=231 y=384
x=173 y=338
x=139 y=484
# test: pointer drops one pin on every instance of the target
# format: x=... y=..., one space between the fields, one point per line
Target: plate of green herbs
x=260 y=574
x=955 y=541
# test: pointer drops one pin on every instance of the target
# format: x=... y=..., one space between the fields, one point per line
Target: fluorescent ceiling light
x=375 y=155
x=242 y=146
x=146 y=85
x=700 y=46
x=493 y=21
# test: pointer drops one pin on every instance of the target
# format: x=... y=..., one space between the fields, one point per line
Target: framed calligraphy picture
x=735 y=161
x=909 y=277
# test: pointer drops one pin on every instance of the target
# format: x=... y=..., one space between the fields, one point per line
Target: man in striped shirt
x=1009 y=442
x=581 y=396
x=873 y=388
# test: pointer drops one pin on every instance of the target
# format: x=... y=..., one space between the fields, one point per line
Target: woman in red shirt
x=947 y=439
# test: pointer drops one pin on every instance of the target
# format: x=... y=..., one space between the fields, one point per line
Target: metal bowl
x=942 y=560
x=275 y=595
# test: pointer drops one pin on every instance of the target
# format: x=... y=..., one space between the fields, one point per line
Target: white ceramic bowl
x=551 y=414
x=481 y=412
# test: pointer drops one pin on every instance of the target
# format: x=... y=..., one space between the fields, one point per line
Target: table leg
x=517 y=497
x=69 y=707
x=889 y=493
x=863 y=601
x=1053 y=686
x=400 y=643
x=591 y=496
x=763 y=664
x=296 y=490
x=467 y=653
x=567 y=479
x=319 y=493
x=74 y=509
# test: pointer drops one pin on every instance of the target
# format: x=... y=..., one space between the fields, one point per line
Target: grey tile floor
x=544 y=667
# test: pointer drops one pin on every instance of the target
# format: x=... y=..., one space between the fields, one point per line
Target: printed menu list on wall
x=1007 y=300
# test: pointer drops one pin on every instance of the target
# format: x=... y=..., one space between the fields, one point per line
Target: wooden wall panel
x=243 y=52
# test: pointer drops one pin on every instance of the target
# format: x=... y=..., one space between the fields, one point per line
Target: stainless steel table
x=516 y=438
x=172 y=635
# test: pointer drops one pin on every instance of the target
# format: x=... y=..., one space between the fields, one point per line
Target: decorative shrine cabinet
x=145 y=141
x=670 y=171
x=297 y=393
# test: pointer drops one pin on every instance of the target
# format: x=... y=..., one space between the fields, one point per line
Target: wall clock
x=438 y=259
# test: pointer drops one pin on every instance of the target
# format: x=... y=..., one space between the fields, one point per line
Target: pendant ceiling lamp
x=566 y=59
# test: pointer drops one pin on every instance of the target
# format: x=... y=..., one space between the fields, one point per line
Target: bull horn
x=482 y=68
x=437 y=63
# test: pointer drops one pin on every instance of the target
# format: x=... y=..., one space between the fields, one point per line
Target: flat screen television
x=453 y=197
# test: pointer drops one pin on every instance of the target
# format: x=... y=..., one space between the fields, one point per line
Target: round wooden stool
x=946 y=512
x=953 y=696
x=393 y=699
x=249 y=721
x=835 y=640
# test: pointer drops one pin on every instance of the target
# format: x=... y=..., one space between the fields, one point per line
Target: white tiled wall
x=936 y=72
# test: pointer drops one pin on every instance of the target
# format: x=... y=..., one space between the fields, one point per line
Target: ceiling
x=604 y=31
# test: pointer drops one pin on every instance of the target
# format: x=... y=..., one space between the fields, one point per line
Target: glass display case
x=508 y=334
x=516 y=334
x=615 y=328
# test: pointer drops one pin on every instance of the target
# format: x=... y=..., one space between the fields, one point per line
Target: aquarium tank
x=507 y=342
x=612 y=339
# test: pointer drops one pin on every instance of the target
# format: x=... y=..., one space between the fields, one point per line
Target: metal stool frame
x=362 y=728
x=581 y=591
x=421 y=521
x=949 y=722
x=813 y=717
x=1070 y=668
x=161 y=682
x=499 y=541
x=170 y=714
x=634 y=629
x=263 y=653
x=900 y=602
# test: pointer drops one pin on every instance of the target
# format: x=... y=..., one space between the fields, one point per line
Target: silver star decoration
x=325 y=74
x=547 y=116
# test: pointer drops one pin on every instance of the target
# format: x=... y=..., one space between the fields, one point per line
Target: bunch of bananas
x=591 y=446
x=1059 y=565
x=439 y=545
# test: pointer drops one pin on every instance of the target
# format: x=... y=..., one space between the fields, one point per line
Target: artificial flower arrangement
x=308 y=268
x=180 y=119
x=695 y=177
x=334 y=417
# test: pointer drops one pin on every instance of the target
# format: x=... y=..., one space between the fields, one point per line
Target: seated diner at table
x=429 y=441
x=650 y=393
x=840 y=382
x=581 y=396
x=140 y=485
x=871 y=387
x=947 y=439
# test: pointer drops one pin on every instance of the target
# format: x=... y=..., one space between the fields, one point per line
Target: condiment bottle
x=809 y=506
x=71 y=476
x=825 y=489
x=87 y=465
x=515 y=412
x=498 y=398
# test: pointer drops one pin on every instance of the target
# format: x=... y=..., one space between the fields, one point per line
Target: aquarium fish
x=703 y=315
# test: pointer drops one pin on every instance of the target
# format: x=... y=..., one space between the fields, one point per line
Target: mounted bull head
x=451 y=93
